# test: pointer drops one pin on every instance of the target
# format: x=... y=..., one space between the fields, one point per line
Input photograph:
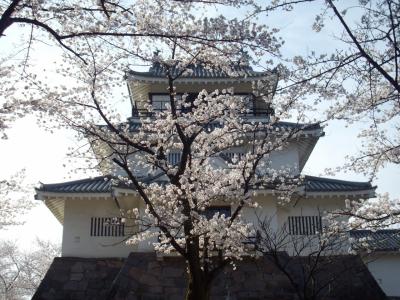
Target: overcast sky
x=43 y=154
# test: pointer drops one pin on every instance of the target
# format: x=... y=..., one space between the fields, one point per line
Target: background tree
x=314 y=263
x=360 y=78
x=21 y=272
x=13 y=202
x=357 y=82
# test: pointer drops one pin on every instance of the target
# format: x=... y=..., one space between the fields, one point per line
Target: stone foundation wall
x=144 y=276
x=78 y=279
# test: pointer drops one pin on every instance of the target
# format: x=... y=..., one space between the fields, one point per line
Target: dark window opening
x=160 y=101
x=232 y=157
x=188 y=105
x=209 y=212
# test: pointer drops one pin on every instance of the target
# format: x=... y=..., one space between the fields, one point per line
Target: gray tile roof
x=104 y=184
x=320 y=184
x=380 y=240
x=101 y=184
x=199 y=71
x=134 y=125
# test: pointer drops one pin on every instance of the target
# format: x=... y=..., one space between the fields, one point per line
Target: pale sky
x=43 y=154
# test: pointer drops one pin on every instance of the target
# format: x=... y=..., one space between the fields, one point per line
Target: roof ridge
x=79 y=180
x=204 y=71
x=335 y=180
x=312 y=124
x=376 y=231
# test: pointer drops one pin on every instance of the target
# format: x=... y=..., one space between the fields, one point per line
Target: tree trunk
x=199 y=283
x=198 y=288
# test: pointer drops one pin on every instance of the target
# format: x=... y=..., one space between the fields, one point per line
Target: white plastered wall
x=286 y=159
x=385 y=267
x=266 y=210
x=278 y=214
x=77 y=241
x=310 y=206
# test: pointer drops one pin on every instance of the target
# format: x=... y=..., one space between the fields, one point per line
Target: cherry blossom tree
x=30 y=24
x=27 y=24
x=101 y=41
x=178 y=199
x=179 y=196
x=201 y=129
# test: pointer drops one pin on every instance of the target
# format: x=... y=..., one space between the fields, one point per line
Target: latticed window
x=174 y=158
x=304 y=225
x=107 y=226
x=160 y=102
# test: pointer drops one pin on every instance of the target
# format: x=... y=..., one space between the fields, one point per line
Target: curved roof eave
x=154 y=79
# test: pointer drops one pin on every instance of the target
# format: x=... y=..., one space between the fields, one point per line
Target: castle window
x=222 y=210
x=159 y=101
x=248 y=100
x=304 y=225
x=107 y=226
x=232 y=157
x=174 y=158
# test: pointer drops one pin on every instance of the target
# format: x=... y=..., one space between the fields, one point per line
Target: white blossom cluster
x=215 y=126
x=374 y=213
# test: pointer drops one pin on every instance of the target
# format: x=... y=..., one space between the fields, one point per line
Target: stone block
x=172 y=272
x=78 y=296
x=91 y=293
x=136 y=273
x=77 y=267
x=149 y=279
x=168 y=282
x=76 y=276
x=153 y=265
x=82 y=285
x=151 y=297
x=59 y=277
x=96 y=284
x=71 y=286
x=238 y=277
x=50 y=294
x=130 y=296
x=174 y=290
x=154 y=289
